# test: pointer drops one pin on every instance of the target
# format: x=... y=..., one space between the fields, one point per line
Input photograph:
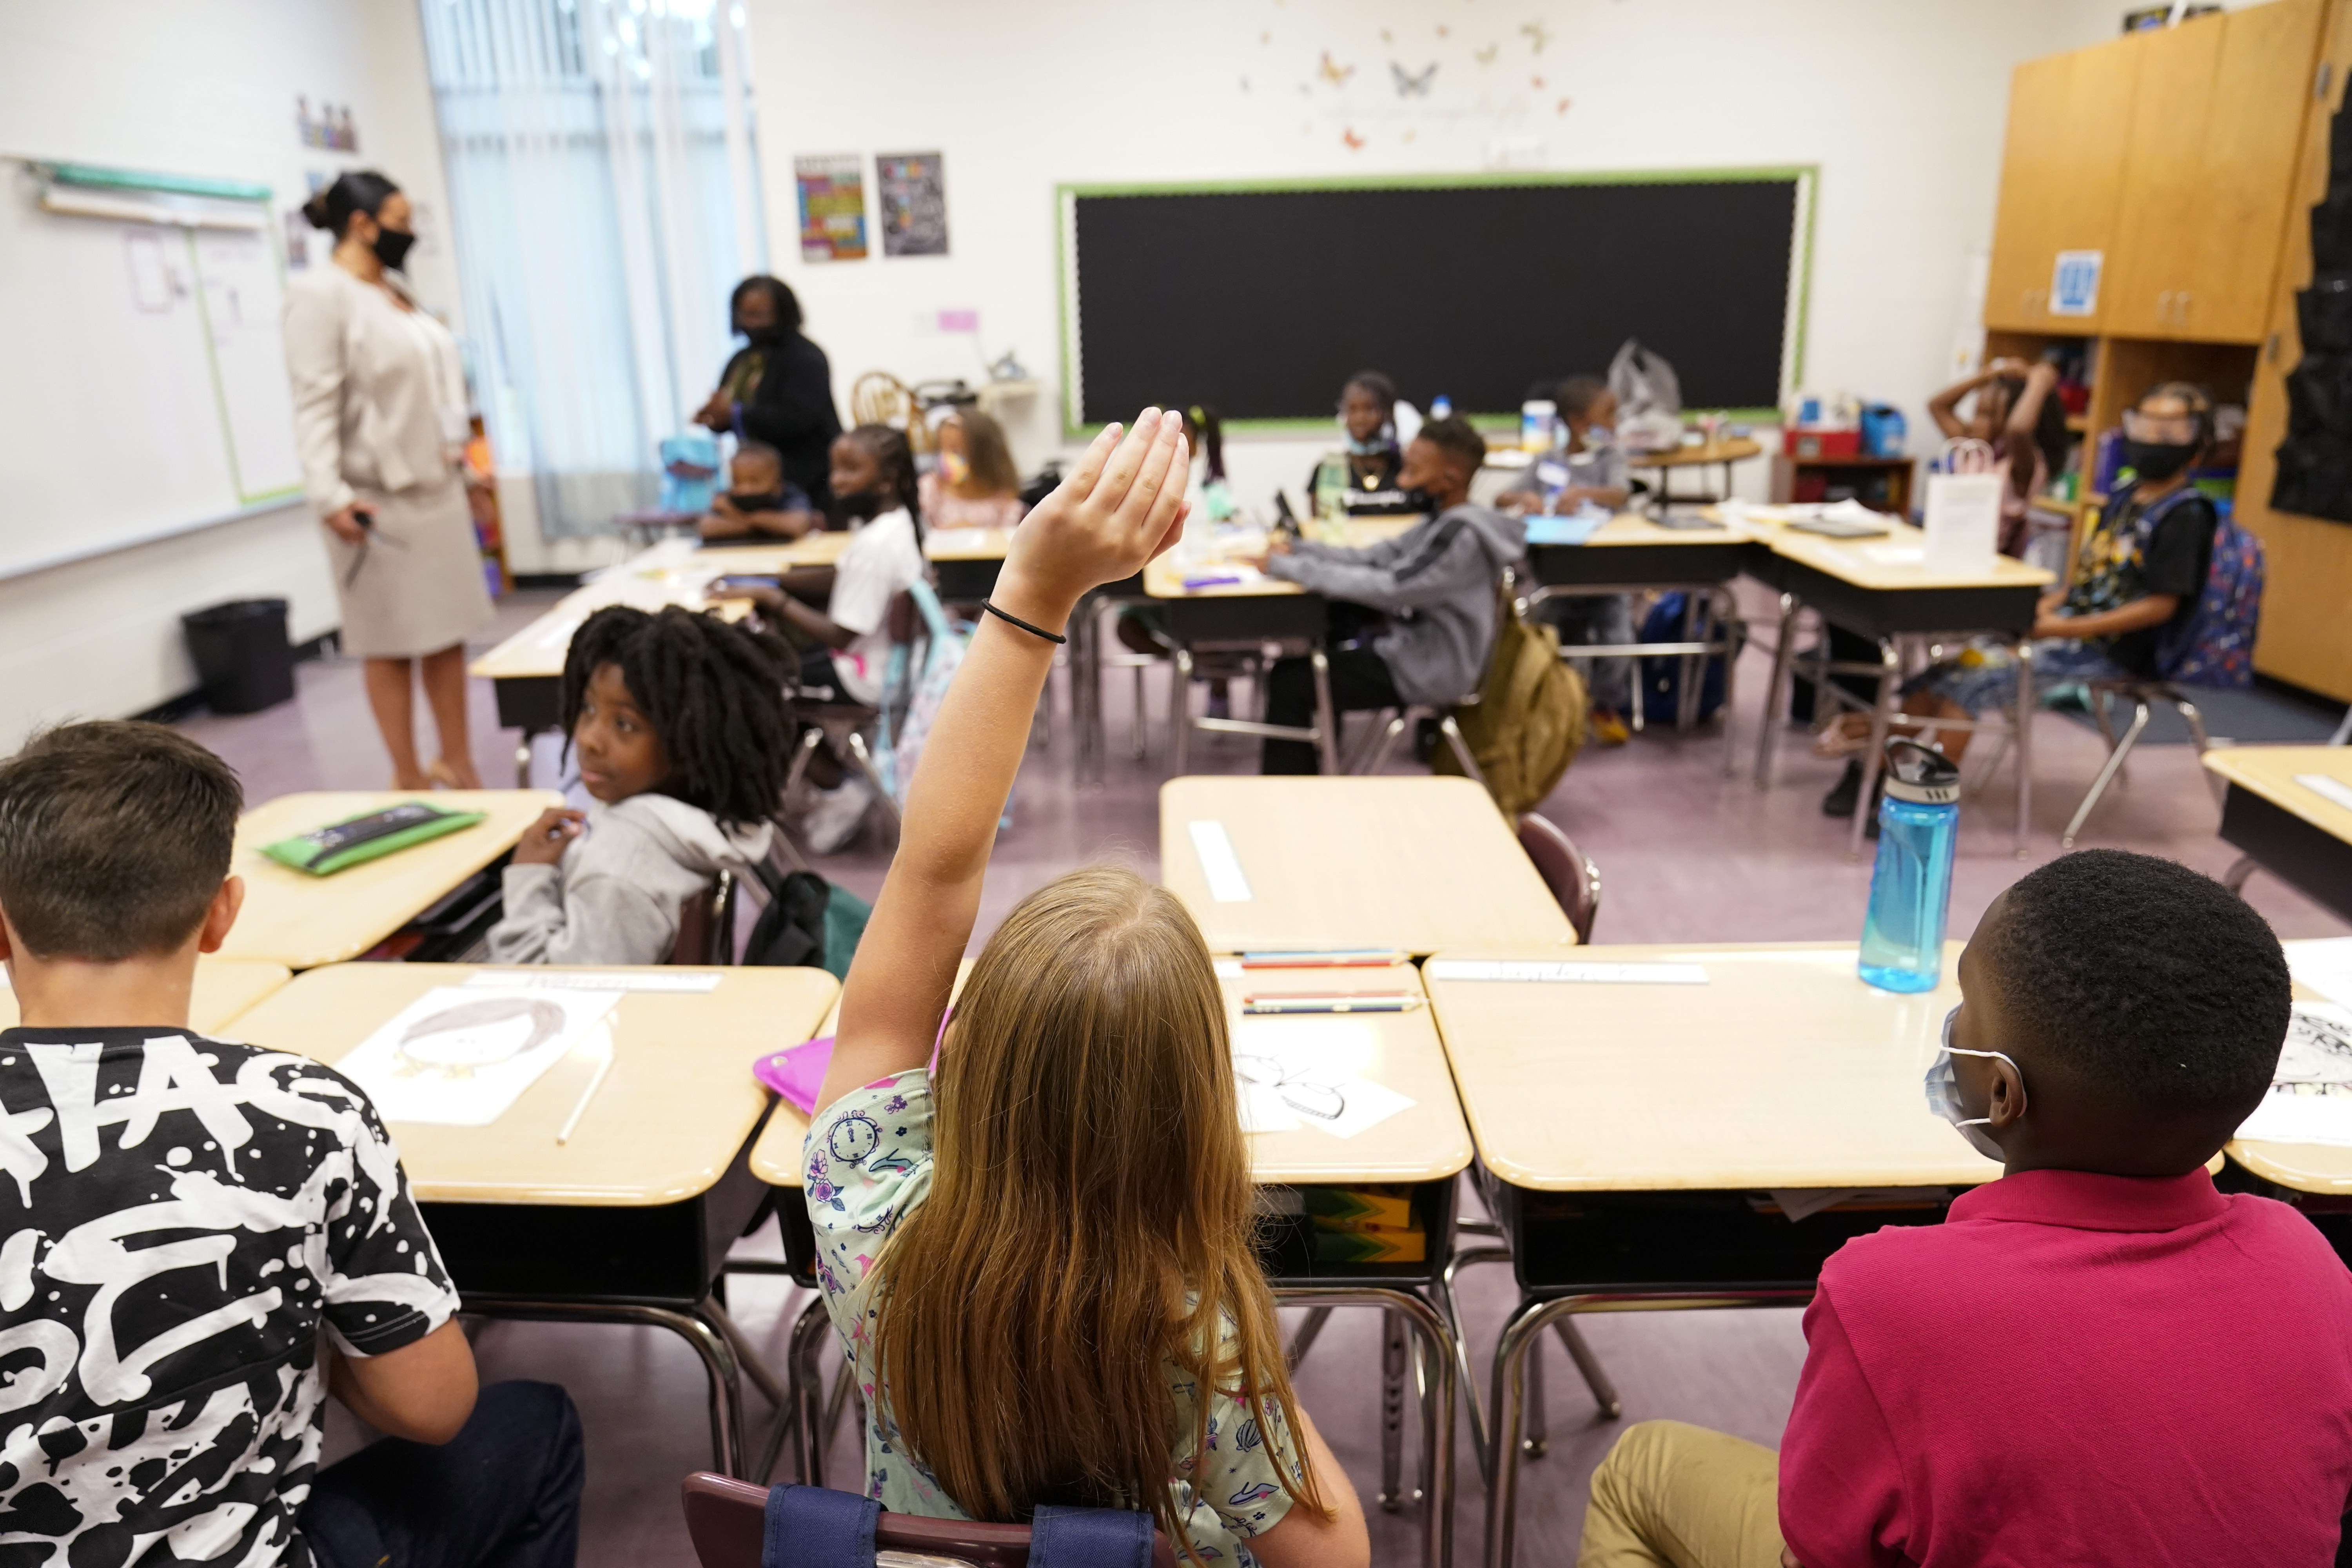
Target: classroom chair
x=877 y=397
x=705 y=925
x=1382 y=739
x=727 y=1521
x=2141 y=695
x=1574 y=880
x=1234 y=662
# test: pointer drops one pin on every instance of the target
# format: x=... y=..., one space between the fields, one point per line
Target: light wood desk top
x=1726 y=449
x=776 y=1157
x=1633 y=528
x=1892 y=562
x=1783 y=1070
x=672 y=1113
x=1164 y=578
x=1402 y=863
x=966 y=543
x=1425 y=1142
x=225 y=988
x=2304 y=1167
x=295 y=919
x=2270 y=771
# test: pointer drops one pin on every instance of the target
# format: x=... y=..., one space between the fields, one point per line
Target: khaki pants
x=1671 y=1494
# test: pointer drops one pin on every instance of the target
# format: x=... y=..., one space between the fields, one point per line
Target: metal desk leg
x=1686 y=690
x=2234 y=878
x=1776 y=689
x=1535 y=1427
x=1882 y=719
x=1326 y=722
x=1725 y=614
x=2025 y=709
x=1392 y=1370
x=1468 y=1376
x=1180 y=715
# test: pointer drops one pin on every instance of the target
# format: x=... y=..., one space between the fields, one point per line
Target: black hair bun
x=315 y=209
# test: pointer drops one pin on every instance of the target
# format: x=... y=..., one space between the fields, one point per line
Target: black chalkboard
x=1262 y=302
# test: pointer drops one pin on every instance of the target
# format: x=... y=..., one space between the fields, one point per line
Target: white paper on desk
x=944 y=540
x=1218 y=864
x=1895 y=554
x=461 y=1056
x=2310 y=1100
x=2328 y=788
x=2325 y=964
x=1312 y=1067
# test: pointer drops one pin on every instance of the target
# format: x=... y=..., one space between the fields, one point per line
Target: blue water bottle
x=1911 y=885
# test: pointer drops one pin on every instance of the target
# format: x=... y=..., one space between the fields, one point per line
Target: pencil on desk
x=1350 y=1002
x=595 y=1082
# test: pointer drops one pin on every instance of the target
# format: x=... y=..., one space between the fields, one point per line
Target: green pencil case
x=323 y=851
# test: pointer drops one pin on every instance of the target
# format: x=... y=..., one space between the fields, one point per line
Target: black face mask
x=1419 y=499
x=2157 y=461
x=865 y=506
x=392 y=245
x=764 y=337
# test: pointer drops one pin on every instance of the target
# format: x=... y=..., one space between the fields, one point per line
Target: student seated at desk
x=1587 y=468
x=759 y=504
x=1039 y=1260
x=2096 y=1359
x=2137 y=579
x=975 y=484
x=1374 y=454
x=682 y=729
x=205 y=1240
x=1436 y=583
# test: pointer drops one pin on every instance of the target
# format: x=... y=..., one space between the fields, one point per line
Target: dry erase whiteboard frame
x=1806 y=176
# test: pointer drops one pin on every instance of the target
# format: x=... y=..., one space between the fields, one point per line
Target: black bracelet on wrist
x=1025 y=626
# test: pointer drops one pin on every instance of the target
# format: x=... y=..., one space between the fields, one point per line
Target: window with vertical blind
x=605 y=197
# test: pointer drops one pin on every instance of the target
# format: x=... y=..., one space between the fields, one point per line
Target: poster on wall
x=913 y=191
x=833 y=207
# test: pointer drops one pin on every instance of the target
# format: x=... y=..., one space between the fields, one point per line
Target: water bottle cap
x=1921 y=774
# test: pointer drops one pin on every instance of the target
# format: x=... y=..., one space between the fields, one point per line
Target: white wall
x=198 y=86
x=1901 y=105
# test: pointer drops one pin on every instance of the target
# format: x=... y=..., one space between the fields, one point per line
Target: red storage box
x=1809 y=446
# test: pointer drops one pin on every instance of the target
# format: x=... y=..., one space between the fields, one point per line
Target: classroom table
x=2284 y=825
x=1882 y=589
x=301 y=921
x=1723 y=451
x=224 y=989
x=1423 y=1147
x=1642 y=1112
x=1631 y=554
x=1395 y=862
x=2315 y=1177
x=630 y=1219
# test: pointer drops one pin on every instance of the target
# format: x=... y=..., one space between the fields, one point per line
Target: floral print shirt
x=867 y=1163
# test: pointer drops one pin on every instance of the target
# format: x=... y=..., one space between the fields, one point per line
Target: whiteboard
x=145 y=391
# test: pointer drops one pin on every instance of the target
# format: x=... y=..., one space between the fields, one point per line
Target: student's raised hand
x=544 y=841
x=1122 y=505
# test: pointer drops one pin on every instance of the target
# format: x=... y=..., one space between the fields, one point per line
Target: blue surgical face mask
x=1943 y=1086
x=1601 y=435
x=1384 y=441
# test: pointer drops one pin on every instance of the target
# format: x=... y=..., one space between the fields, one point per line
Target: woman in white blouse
x=380 y=417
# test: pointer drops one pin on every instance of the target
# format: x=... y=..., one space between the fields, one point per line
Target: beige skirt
x=420 y=588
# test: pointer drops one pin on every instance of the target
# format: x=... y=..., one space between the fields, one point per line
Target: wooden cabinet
x=2307 y=631
x=2061 y=178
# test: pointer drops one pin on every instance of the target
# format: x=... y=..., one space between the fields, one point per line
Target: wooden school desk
x=1722 y=452
x=224 y=989
x=629 y=1220
x=1631 y=553
x=2315 y=1177
x=1401 y=863
x=1422 y=1147
x=1635 y=1131
x=1880 y=588
x=300 y=921
x=2283 y=825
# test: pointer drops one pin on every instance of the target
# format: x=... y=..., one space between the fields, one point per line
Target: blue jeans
x=1986 y=677
x=503 y=1493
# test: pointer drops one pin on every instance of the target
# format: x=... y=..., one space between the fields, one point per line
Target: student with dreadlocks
x=682 y=731
x=874 y=487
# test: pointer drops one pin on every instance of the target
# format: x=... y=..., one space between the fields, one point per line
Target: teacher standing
x=778 y=389
x=380 y=417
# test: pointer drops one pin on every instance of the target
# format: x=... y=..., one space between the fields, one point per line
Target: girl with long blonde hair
x=1038 y=1254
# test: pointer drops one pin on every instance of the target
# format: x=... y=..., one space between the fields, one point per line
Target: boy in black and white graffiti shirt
x=199 y=1241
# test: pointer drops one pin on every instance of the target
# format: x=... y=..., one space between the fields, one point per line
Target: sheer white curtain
x=605 y=201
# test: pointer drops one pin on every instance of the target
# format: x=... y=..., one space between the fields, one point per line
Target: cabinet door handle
x=2182 y=308
x=2164 y=307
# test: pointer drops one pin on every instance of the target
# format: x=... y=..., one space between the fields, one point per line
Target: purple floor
x=1686 y=854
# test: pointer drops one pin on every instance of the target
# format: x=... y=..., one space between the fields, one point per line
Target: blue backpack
x=2214 y=646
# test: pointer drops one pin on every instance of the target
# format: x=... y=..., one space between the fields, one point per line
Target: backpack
x=808 y=923
x=1529 y=721
x=1661 y=674
x=912 y=693
x=2215 y=645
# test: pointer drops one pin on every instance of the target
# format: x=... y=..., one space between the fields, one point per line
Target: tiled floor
x=1686 y=854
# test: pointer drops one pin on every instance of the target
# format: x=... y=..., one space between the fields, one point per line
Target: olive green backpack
x=1528 y=722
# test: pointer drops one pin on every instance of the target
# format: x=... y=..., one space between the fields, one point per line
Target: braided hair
x=713 y=692
x=888 y=448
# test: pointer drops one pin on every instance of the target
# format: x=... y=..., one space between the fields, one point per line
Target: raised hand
x=1122 y=505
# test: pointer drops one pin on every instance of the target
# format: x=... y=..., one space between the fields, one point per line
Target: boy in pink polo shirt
x=2096 y=1359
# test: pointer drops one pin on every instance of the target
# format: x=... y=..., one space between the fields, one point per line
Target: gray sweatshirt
x=1435 y=582
x=615 y=897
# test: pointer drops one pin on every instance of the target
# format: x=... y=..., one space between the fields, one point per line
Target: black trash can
x=241 y=655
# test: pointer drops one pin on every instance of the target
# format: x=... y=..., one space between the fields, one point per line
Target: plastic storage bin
x=241 y=654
